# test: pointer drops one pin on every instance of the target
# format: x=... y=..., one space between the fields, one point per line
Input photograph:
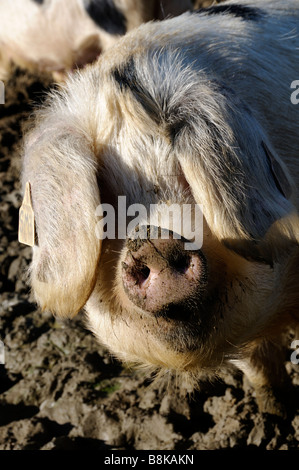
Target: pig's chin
x=184 y=327
x=179 y=335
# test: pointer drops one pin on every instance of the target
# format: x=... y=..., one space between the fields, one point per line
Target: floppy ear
x=61 y=168
x=233 y=170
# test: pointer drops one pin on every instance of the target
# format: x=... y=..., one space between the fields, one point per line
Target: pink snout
x=161 y=277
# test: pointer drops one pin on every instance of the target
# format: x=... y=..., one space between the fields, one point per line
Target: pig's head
x=132 y=136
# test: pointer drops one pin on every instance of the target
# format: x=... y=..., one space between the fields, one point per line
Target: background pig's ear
x=87 y=51
x=235 y=174
x=167 y=8
x=61 y=168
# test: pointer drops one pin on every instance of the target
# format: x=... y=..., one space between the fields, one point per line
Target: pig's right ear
x=234 y=172
x=62 y=171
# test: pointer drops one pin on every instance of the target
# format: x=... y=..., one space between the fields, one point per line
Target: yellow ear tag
x=26 y=219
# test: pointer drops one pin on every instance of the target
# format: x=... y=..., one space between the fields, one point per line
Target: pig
x=196 y=112
x=56 y=36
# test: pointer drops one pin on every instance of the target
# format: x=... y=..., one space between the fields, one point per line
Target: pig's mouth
x=186 y=326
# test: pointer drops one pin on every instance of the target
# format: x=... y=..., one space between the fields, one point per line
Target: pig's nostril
x=143 y=274
x=139 y=274
x=180 y=263
x=134 y=272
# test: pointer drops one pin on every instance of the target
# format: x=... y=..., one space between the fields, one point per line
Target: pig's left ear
x=62 y=171
x=245 y=189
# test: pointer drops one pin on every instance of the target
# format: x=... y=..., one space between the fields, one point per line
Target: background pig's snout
x=160 y=276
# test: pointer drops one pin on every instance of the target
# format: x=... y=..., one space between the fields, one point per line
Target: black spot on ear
x=157 y=108
x=40 y=2
x=240 y=11
x=126 y=78
x=107 y=16
x=175 y=129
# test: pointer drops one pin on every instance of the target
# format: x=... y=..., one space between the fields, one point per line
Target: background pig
x=57 y=36
x=194 y=110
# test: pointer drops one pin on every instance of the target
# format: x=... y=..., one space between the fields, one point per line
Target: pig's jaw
x=136 y=336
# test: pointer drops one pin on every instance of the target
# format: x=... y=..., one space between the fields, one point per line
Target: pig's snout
x=161 y=277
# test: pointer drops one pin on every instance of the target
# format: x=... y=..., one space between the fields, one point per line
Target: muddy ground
x=60 y=390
